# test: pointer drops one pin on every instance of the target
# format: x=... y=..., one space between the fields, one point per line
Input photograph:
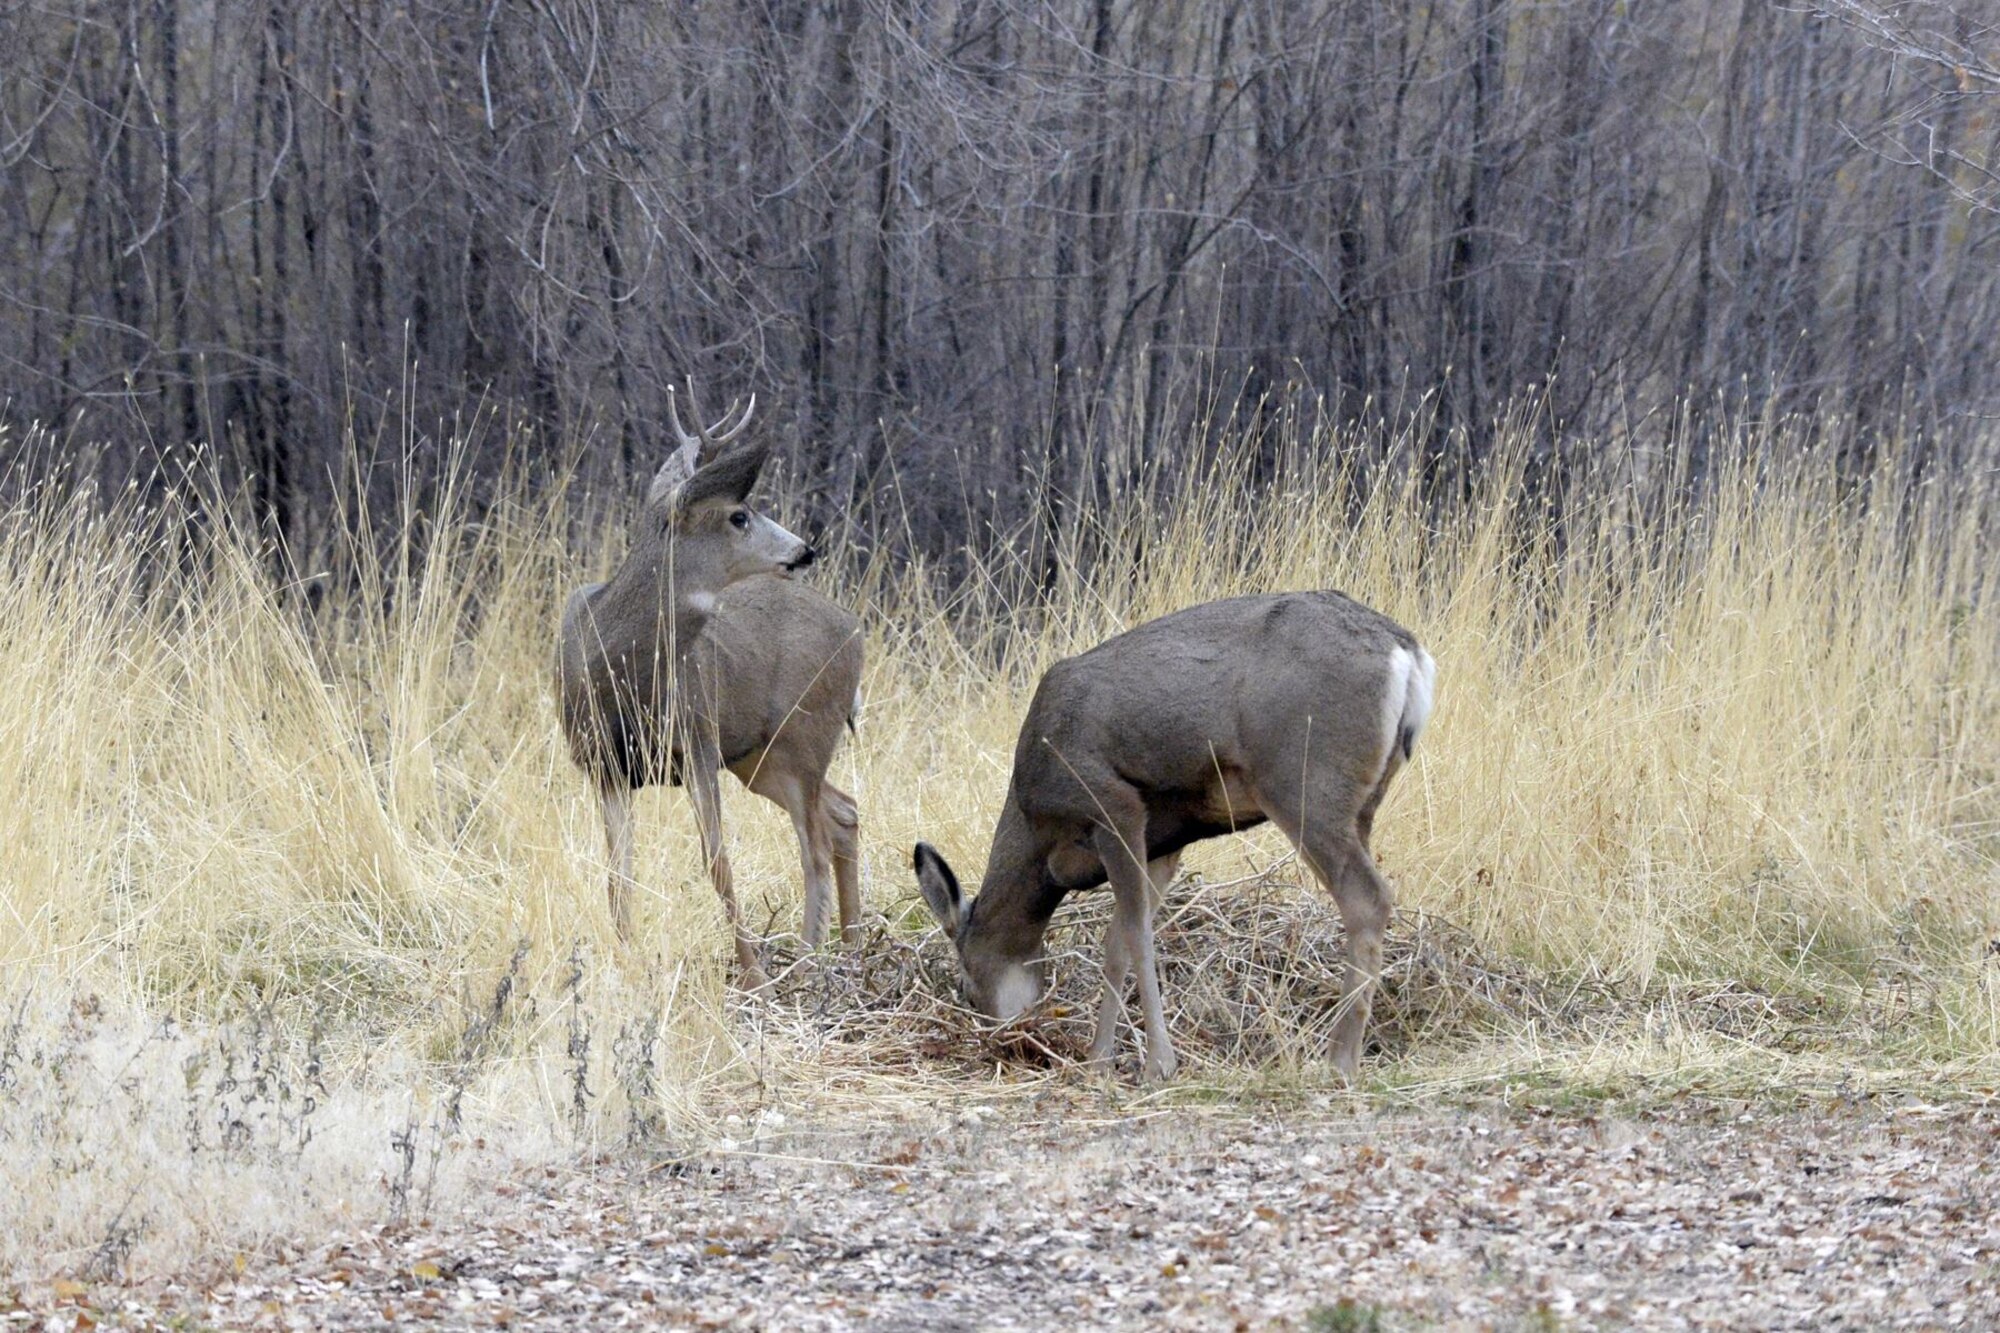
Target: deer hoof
x=1162 y=1067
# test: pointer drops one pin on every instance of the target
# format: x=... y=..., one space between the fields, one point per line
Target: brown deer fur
x=1296 y=708
x=700 y=653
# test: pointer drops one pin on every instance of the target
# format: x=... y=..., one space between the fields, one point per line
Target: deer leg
x=815 y=858
x=843 y=823
x=706 y=794
x=803 y=801
x=1364 y=819
x=1117 y=972
x=1162 y=1066
x=615 y=799
x=1364 y=900
x=1120 y=852
x=1161 y=1062
x=821 y=838
x=1119 y=951
x=1330 y=844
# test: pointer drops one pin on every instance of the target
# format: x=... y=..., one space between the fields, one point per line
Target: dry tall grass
x=307 y=906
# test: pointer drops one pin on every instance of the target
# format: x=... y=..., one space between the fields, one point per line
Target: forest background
x=1014 y=254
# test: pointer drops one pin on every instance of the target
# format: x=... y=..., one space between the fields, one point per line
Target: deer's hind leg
x=843 y=829
x=816 y=858
x=1365 y=902
x=1323 y=817
x=802 y=799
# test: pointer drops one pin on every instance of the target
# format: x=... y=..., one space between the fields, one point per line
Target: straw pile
x=1252 y=972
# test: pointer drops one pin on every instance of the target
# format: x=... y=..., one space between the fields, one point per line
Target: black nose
x=805 y=558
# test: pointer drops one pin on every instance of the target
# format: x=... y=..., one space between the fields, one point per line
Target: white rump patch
x=1423 y=688
x=1395 y=695
x=1014 y=992
x=701 y=603
x=1406 y=703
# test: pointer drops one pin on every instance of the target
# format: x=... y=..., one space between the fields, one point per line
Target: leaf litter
x=1063 y=1211
x=946 y=1176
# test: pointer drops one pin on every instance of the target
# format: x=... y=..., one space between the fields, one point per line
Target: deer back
x=1232 y=686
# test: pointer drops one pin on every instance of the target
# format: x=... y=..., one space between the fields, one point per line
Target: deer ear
x=729 y=477
x=940 y=889
x=680 y=465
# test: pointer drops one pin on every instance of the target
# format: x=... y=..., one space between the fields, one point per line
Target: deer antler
x=726 y=435
x=709 y=439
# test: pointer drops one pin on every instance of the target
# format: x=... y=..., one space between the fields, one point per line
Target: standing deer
x=700 y=654
x=1297 y=708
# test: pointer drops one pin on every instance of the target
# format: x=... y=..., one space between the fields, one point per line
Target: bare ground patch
x=1068 y=1212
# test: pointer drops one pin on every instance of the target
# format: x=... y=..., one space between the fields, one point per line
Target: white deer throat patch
x=1014 y=992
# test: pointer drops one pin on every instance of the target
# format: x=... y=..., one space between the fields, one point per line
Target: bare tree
x=1006 y=250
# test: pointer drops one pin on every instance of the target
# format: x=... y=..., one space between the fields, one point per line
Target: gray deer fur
x=1297 y=708
x=701 y=653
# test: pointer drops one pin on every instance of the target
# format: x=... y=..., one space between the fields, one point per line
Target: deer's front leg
x=701 y=773
x=615 y=799
x=1120 y=948
x=1117 y=971
x=1132 y=885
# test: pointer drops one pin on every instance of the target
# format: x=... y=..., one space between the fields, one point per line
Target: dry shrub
x=1252 y=973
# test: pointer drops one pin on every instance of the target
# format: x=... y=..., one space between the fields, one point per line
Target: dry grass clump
x=1710 y=782
x=128 y=1142
x=1251 y=969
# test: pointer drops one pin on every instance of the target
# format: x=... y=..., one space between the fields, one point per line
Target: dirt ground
x=1068 y=1215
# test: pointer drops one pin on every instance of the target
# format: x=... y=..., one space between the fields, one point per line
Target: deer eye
x=739 y=519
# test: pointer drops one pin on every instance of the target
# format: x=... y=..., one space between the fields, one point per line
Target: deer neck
x=676 y=594
x=1017 y=896
x=689 y=611
x=695 y=580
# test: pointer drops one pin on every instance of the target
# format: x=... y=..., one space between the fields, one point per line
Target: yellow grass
x=1751 y=747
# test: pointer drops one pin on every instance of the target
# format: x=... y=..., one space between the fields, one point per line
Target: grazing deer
x=1297 y=708
x=700 y=654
